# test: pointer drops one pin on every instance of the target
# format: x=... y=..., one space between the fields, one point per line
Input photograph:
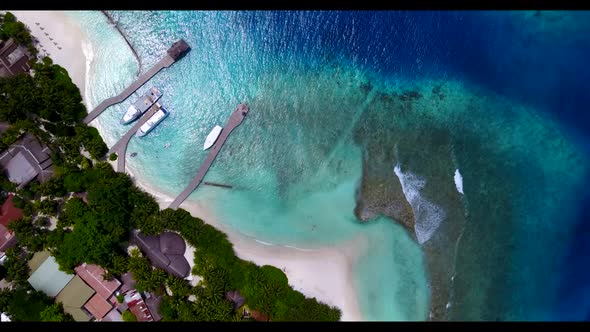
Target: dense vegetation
x=115 y=206
x=16 y=267
x=49 y=106
x=265 y=288
x=24 y=304
x=96 y=208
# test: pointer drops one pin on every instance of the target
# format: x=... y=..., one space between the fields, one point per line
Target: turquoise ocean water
x=327 y=101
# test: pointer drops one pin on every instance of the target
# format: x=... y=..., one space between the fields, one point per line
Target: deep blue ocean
x=502 y=97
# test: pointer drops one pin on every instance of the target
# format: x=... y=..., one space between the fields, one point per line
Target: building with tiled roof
x=98 y=306
x=138 y=307
x=14 y=59
x=93 y=274
x=8 y=214
x=74 y=296
x=165 y=251
x=48 y=278
x=25 y=160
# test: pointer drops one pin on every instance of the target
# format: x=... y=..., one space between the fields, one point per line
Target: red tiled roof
x=7 y=238
x=92 y=275
x=98 y=306
x=9 y=212
x=138 y=307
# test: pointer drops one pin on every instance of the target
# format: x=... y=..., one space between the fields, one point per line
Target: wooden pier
x=235 y=120
x=175 y=53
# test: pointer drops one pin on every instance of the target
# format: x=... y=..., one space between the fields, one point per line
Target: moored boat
x=212 y=137
x=141 y=105
x=158 y=117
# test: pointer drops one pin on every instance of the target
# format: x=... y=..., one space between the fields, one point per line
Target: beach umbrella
x=50 y=38
x=42 y=28
x=59 y=47
x=54 y=43
x=37 y=23
x=46 y=34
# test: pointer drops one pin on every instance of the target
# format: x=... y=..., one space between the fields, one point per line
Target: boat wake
x=428 y=216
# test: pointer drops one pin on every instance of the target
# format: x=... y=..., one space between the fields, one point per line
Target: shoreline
x=59 y=29
x=324 y=273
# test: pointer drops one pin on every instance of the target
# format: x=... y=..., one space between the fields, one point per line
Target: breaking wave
x=428 y=216
x=458 y=181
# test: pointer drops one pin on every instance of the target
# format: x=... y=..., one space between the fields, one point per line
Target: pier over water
x=178 y=50
x=235 y=120
x=120 y=148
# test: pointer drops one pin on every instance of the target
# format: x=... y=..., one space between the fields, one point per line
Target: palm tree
x=237 y=317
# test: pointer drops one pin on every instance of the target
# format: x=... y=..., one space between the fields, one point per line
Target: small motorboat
x=212 y=137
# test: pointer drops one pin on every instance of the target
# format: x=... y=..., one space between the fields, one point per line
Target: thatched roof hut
x=172 y=244
x=165 y=251
x=179 y=266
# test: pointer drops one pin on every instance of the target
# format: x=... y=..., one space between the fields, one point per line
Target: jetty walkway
x=120 y=148
x=178 y=50
x=235 y=120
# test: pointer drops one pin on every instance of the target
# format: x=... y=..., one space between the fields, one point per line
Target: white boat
x=212 y=137
x=141 y=105
x=150 y=124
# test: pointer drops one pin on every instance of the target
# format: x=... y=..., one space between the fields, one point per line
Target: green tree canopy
x=29 y=236
x=17 y=270
x=55 y=313
x=128 y=316
x=24 y=304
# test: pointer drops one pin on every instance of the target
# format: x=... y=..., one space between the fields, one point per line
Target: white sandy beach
x=325 y=274
x=56 y=30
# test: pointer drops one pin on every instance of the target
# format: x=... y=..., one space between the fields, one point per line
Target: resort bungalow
x=138 y=307
x=165 y=251
x=68 y=289
x=26 y=160
x=14 y=59
x=74 y=298
x=103 y=304
x=152 y=301
x=86 y=296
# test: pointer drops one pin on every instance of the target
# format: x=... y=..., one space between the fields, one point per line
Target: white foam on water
x=88 y=51
x=458 y=181
x=265 y=243
x=300 y=249
x=428 y=216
